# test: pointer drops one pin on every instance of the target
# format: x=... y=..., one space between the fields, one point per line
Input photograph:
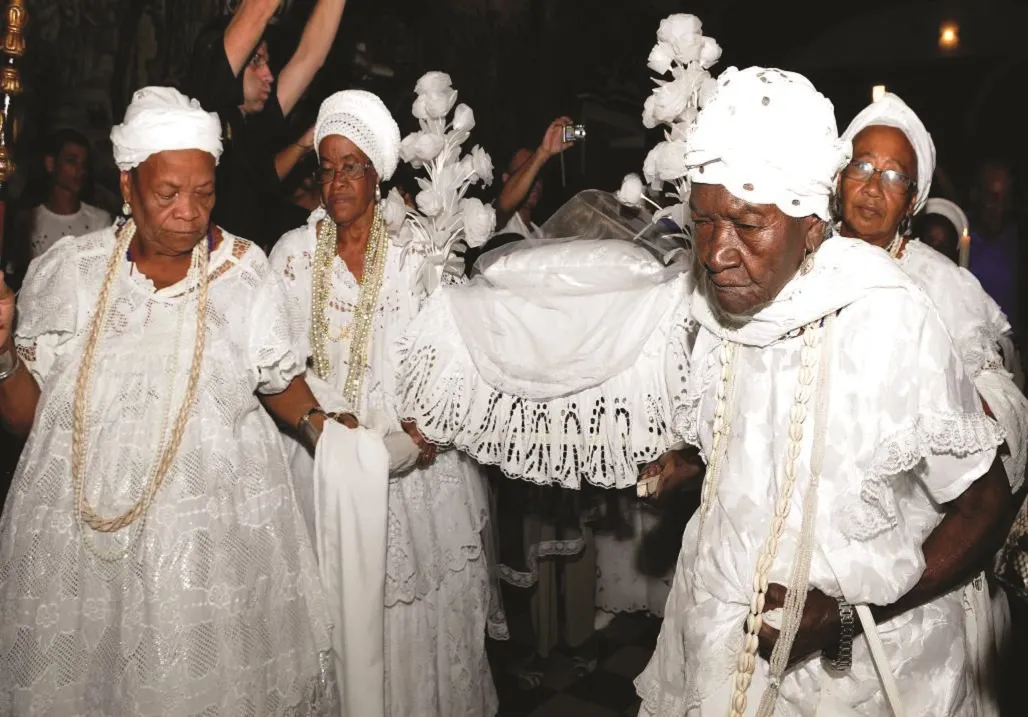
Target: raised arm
x=519 y=184
x=317 y=40
x=246 y=29
x=19 y=392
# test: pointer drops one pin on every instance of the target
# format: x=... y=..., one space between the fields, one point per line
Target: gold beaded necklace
x=364 y=312
x=169 y=445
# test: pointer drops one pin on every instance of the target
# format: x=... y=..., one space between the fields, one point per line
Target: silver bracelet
x=843 y=657
x=307 y=429
x=9 y=364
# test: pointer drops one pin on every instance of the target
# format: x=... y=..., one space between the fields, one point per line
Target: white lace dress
x=437 y=583
x=905 y=432
x=213 y=611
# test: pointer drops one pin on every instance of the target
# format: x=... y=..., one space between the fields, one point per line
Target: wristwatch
x=840 y=657
x=9 y=363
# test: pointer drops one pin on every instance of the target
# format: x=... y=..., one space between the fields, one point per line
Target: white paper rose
x=405 y=236
x=483 y=165
x=631 y=191
x=463 y=118
x=669 y=100
x=407 y=153
x=649 y=118
x=710 y=52
x=427 y=146
x=394 y=210
x=430 y=202
x=682 y=33
x=670 y=161
x=706 y=92
x=479 y=221
x=661 y=57
x=433 y=82
x=434 y=105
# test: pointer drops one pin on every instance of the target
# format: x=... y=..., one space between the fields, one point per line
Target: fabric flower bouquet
x=444 y=215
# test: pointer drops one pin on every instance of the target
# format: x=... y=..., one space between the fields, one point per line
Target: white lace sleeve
x=273 y=329
x=48 y=307
x=933 y=429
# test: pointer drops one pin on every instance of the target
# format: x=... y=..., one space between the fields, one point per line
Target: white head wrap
x=949 y=210
x=160 y=119
x=363 y=119
x=891 y=111
x=768 y=137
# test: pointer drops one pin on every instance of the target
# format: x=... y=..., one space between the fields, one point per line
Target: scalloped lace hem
x=599 y=435
x=955 y=434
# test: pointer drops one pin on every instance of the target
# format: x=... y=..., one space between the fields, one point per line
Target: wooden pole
x=10 y=87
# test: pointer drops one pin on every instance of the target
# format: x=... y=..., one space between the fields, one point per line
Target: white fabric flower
x=479 y=221
x=427 y=146
x=483 y=165
x=405 y=236
x=706 y=92
x=661 y=57
x=407 y=153
x=434 y=105
x=710 y=52
x=670 y=100
x=665 y=163
x=463 y=118
x=430 y=202
x=631 y=190
x=682 y=33
x=394 y=210
x=433 y=82
x=649 y=117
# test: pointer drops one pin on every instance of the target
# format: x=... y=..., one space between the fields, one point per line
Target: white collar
x=844 y=271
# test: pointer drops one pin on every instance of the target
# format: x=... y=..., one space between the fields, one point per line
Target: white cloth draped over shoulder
x=436 y=587
x=217 y=609
x=562 y=360
x=905 y=433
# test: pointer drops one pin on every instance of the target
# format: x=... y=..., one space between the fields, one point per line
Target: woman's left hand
x=819 y=626
x=427 y=448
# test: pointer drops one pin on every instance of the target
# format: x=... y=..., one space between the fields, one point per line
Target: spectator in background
x=301 y=194
x=940 y=226
x=230 y=75
x=63 y=213
x=522 y=188
x=995 y=254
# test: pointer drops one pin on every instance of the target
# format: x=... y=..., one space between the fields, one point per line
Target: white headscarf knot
x=363 y=119
x=769 y=137
x=161 y=119
x=891 y=111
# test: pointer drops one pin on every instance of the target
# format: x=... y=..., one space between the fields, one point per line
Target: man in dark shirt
x=230 y=76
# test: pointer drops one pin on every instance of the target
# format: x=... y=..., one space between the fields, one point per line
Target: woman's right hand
x=6 y=313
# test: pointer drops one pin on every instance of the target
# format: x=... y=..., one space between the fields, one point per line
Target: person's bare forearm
x=963 y=544
x=288 y=157
x=310 y=55
x=245 y=30
x=518 y=186
x=19 y=396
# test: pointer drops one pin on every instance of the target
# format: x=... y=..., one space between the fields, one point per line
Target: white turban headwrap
x=363 y=119
x=949 y=210
x=769 y=137
x=161 y=119
x=891 y=111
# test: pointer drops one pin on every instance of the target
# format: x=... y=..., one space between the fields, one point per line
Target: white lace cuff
x=958 y=435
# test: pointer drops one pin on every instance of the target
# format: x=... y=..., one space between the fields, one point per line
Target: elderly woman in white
x=152 y=557
x=885 y=184
x=850 y=462
x=355 y=296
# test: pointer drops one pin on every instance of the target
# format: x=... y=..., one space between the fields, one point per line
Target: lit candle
x=965 y=249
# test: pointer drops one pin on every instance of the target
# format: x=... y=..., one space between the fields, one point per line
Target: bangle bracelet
x=10 y=362
x=842 y=658
x=306 y=429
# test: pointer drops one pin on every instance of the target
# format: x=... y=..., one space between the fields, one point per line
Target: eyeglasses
x=892 y=180
x=350 y=170
x=259 y=61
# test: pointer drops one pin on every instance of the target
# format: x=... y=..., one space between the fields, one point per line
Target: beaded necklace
x=168 y=445
x=364 y=312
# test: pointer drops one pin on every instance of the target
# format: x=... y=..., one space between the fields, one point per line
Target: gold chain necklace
x=364 y=312
x=87 y=515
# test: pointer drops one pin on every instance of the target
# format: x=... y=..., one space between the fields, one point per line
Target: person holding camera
x=522 y=187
